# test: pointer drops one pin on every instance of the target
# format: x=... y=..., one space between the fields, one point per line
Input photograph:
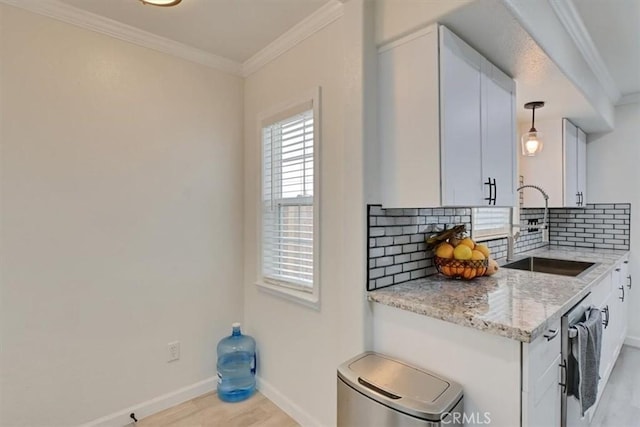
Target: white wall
x=121 y=174
x=301 y=348
x=297 y=344
x=613 y=176
x=395 y=18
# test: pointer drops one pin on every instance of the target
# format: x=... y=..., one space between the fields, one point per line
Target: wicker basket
x=459 y=269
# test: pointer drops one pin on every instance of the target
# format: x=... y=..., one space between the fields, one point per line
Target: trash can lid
x=396 y=384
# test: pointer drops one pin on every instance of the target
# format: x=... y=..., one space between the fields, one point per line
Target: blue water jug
x=236 y=366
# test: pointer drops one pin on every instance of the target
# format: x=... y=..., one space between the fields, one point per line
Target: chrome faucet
x=511 y=237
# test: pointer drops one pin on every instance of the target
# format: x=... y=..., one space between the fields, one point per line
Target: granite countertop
x=512 y=303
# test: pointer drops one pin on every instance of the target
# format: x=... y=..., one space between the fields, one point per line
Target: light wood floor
x=620 y=402
x=208 y=410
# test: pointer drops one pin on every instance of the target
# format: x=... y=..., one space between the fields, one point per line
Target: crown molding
x=570 y=18
x=299 y=32
x=90 y=21
x=629 y=98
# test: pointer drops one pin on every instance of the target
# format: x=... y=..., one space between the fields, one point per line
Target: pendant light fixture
x=531 y=141
x=162 y=3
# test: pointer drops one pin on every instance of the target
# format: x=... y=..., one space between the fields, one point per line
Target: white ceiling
x=234 y=29
x=614 y=27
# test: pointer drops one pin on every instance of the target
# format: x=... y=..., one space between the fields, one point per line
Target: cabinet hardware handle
x=605 y=321
x=495 y=191
x=490 y=198
x=629 y=284
x=563 y=384
x=551 y=334
x=617 y=269
x=577 y=199
x=626 y=262
x=622 y=297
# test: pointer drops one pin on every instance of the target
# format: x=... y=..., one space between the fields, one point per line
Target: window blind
x=287 y=211
x=490 y=222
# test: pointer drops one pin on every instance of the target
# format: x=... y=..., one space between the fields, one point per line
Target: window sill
x=303 y=298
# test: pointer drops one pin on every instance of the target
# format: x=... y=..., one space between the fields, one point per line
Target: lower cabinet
x=541 y=392
x=541 y=359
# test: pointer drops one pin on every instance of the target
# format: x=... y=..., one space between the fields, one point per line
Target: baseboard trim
x=632 y=342
x=155 y=405
x=294 y=411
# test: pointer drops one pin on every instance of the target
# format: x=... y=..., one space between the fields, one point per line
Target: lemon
x=468 y=242
x=444 y=250
x=462 y=252
x=484 y=249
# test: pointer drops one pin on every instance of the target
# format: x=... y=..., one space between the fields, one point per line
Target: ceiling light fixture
x=531 y=141
x=163 y=3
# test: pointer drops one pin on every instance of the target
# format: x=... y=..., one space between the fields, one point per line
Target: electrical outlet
x=173 y=351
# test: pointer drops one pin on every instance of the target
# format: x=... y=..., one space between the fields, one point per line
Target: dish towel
x=586 y=349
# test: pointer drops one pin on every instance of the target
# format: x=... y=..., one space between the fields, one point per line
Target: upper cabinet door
x=409 y=128
x=499 y=142
x=582 y=167
x=570 y=141
x=460 y=122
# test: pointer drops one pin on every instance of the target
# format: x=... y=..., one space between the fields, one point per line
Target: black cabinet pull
x=551 y=334
x=622 y=289
x=629 y=284
x=492 y=191
x=563 y=384
x=577 y=199
x=605 y=321
x=495 y=191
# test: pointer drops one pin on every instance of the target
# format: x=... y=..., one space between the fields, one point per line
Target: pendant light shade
x=532 y=140
x=164 y=3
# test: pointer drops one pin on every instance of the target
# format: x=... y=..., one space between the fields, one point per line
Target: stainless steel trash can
x=377 y=390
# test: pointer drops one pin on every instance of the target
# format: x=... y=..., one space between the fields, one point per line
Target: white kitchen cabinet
x=620 y=302
x=460 y=122
x=446 y=124
x=560 y=169
x=570 y=141
x=581 y=143
x=541 y=392
x=498 y=145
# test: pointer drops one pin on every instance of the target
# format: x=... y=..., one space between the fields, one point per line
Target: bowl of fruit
x=459 y=257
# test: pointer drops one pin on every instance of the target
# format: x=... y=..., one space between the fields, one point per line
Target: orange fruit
x=484 y=249
x=444 y=250
x=469 y=273
x=477 y=255
x=468 y=242
x=462 y=252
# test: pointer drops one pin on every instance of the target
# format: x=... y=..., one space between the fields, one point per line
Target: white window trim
x=309 y=299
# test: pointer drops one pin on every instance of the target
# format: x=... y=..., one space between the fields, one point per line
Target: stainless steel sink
x=551 y=266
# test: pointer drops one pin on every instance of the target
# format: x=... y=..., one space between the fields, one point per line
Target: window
x=490 y=223
x=290 y=202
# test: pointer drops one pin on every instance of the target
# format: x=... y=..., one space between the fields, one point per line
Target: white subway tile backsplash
x=396 y=236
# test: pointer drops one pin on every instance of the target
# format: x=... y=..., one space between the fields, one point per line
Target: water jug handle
x=253 y=368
